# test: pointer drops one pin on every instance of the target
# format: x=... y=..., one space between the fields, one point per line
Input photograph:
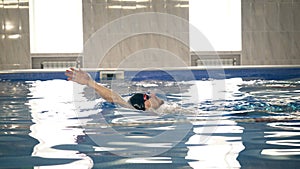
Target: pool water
x=230 y=123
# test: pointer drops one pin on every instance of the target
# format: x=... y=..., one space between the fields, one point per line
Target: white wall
x=56 y=26
x=219 y=21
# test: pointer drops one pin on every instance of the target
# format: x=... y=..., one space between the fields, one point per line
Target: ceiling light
x=8 y=26
x=24 y=7
x=14 y=36
x=132 y=0
x=11 y=6
x=114 y=7
x=181 y=5
x=126 y=7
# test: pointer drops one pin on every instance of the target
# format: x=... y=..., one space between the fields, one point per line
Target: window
x=219 y=21
x=56 y=26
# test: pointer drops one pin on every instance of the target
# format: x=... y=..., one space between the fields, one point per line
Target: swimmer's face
x=153 y=102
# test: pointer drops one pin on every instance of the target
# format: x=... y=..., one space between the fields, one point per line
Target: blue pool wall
x=186 y=74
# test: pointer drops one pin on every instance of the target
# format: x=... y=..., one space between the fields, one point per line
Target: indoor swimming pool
x=250 y=119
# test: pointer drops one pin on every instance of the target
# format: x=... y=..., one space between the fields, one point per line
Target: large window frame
x=219 y=21
x=56 y=26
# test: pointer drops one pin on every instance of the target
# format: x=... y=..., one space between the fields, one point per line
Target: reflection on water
x=53 y=114
x=220 y=150
x=15 y=120
x=270 y=143
x=217 y=139
x=288 y=139
x=224 y=124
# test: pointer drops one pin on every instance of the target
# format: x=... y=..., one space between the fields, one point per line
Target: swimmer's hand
x=79 y=76
x=84 y=78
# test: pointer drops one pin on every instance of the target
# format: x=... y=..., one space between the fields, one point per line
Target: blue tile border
x=265 y=73
x=43 y=75
x=284 y=73
x=247 y=73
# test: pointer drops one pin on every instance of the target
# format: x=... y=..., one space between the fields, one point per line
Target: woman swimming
x=139 y=101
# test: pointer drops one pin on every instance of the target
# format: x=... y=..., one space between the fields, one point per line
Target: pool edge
x=270 y=72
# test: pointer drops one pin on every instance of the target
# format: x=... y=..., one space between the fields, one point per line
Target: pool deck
x=270 y=72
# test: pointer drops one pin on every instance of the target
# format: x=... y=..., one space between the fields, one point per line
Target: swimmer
x=139 y=101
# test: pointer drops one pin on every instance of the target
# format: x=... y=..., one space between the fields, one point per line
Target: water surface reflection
x=255 y=124
x=53 y=113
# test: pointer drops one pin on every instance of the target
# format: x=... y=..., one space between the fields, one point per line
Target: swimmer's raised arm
x=138 y=101
x=84 y=78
